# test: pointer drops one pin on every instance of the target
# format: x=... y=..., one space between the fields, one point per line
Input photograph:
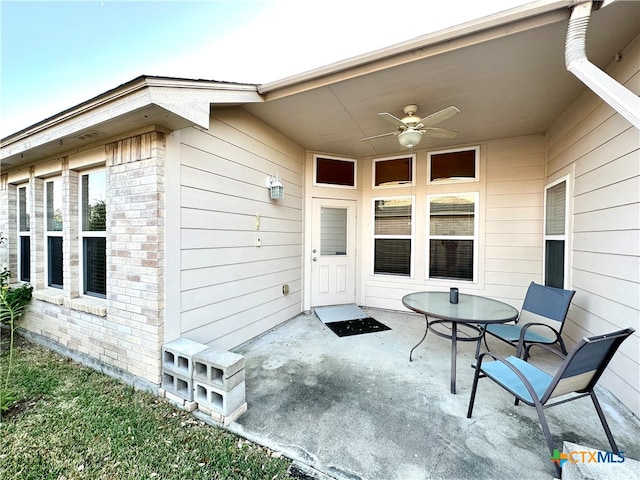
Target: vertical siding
x=604 y=151
x=230 y=288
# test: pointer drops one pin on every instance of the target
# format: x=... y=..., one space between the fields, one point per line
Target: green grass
x=71 y=422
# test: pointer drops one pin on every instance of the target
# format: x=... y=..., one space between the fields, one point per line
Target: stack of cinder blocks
x=206 y=378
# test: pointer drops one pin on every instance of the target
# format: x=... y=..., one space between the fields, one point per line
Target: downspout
x=623 y=101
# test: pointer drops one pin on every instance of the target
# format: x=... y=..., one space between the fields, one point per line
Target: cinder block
x=219 y=368
x=216 y=400
x=177 y=356
x=175 y=384
x=232 y=417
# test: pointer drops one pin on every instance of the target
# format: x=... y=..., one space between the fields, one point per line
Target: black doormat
x=357 y=326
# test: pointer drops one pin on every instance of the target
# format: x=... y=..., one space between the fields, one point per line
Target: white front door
x=333 y=252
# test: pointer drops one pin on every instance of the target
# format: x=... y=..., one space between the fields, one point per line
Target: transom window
x=449 y=166
x=453 y=230
x=392 y=236
x=393 y=172
x=335 y=172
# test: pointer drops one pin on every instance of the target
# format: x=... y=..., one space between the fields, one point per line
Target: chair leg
x=479 y=344
x=562 y=346
x=474 y=387
x=547 y=435
x=605 y=425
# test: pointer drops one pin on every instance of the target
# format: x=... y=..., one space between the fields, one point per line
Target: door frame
x=308 y=247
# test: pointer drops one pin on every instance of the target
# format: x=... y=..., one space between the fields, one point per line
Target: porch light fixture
x=410 y=138
x=275 y=187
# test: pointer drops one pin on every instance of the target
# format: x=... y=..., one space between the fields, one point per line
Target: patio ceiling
x=507 y=77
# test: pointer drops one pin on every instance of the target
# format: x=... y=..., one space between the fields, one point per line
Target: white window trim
x=331 y=185
x=565 y=236
x=51 y=233
x=410 y=237
x=475 y=238
x=412 y=183
x=22 y=233
x=86 y=234
x=454 y=180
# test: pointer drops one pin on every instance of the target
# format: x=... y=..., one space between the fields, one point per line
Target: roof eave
x=532 y=15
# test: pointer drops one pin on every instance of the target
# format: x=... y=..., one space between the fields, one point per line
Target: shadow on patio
x=355 y=407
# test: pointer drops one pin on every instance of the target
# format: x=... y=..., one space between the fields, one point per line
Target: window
x=391 y=172
x=24 y=236
x=555 y=233
x=453 y=165
x=93 y=222
x=53 y=229
x=453 y=227
x=336 y=172
x=392 y=236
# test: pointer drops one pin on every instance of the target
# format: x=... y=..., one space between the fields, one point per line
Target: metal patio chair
x=541 y=320
x=578 y=373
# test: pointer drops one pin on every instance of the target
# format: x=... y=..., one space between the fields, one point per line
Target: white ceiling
x=511 y=85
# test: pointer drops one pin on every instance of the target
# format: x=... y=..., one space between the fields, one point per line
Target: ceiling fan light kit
x=409 y=138
x=411 y=128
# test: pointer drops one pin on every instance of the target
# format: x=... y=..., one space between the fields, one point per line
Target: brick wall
x=135 y=251
x=122 y=333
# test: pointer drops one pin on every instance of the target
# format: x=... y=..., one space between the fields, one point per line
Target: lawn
x=72 y=422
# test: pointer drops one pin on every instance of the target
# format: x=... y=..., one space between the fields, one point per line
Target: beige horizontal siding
x=603 y=149
x=230 y=288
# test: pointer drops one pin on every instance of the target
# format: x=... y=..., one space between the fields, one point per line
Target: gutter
x=621 y=99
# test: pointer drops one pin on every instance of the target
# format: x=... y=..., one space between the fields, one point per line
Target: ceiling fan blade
x=378 y=136
x=395 y=120
x=439 y=132
x=439 y=116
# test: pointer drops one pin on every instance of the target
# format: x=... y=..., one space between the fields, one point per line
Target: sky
x=57 y=54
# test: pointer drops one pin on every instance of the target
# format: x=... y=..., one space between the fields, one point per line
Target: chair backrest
x=582 y=367
x=547 y=305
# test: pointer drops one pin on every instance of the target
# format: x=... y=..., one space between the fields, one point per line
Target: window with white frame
x=24 y=234
x=453 y=166
x=93 y=227
x=555 y=233
x=334 y=172
x=53 y=232
x=393 y=172
x=453 y=236
x=393 y=236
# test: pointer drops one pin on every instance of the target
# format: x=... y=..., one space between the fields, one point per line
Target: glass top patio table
x=464 y=316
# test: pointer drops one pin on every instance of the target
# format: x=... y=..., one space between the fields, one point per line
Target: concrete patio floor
x=356 y=408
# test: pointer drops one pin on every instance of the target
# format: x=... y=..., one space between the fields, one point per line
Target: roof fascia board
x=516 y=20
x=188 y=99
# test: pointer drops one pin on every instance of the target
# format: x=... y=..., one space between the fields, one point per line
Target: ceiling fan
x=411 y=128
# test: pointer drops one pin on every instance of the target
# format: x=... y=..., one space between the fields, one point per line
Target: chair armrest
x=523 y=332
x=544 y=347
x=517 y=372
x=526 y=327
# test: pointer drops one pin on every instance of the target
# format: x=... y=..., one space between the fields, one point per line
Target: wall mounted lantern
x=275 y=187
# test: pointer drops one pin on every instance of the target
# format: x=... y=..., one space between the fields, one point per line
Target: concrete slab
x=356 y=408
